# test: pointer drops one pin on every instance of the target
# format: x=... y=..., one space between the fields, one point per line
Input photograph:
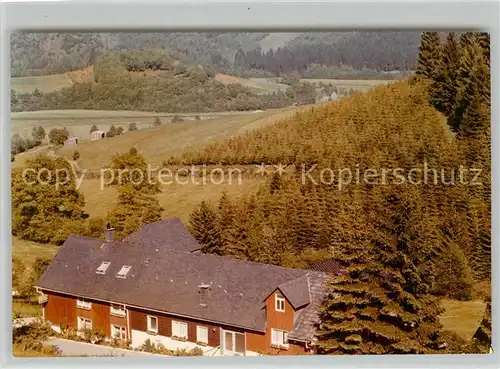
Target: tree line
x=233 y=52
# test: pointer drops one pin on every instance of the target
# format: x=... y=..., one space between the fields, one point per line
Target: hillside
x=53 y=53
x=159 y=143
x=323 y=131
x=153 y=80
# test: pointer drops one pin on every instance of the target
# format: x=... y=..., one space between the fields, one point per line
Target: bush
x=177 y=119
x=58 y=136
x=31 y=334
x=76 y=155
x=93 y=335
x=184 y=352
x=154 y=348
x=157 y=122
x=69 y=334
x=132 y=127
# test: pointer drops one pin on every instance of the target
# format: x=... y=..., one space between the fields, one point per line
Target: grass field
x=48 y=83
x=79 y=122
x=155 y=143
x=176 y=199
x=28 y=251
x=356 y=84
x=462 y=317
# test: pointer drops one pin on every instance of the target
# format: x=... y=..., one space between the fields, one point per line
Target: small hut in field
x=71 y=141
x=97 y=135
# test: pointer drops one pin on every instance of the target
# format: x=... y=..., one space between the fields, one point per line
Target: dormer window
x=103 y=267
x=280 y=302
x=123 y=271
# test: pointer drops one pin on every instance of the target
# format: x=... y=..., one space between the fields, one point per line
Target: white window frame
x=176 y=329
x=117 y=311
x=279 y=302
x=122 y=273
x=82 y=304
x=101 y=269
x=149 y=319
x=283 y=341
x=122 y=331
x=82 y=323
x=199 y=338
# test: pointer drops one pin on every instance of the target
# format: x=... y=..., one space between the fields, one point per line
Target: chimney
x=109 y=233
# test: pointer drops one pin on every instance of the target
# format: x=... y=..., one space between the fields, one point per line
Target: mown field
x=28 y=251
x=177 y=199
x=155 y=143
x=48 y=83
x=79 y=122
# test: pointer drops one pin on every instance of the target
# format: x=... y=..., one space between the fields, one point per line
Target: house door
x=233 y=343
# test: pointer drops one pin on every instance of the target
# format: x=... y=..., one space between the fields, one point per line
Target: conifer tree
x=382 y=305
x=473 y=75
x=444 y=89
x=137 y=202
x=429 y=55
x=203 y=224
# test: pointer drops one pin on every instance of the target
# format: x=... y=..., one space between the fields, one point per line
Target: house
x=97 y=135
x=156 y=284
x=71 y=141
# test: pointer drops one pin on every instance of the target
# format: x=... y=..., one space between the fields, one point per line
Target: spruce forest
x=404 y=246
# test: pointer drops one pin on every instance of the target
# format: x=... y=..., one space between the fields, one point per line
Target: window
x=179 y=329
x=280 y=302
x=279 y=338
x=117 y=310
x=201 y=334
x=123 y=271
x=118 y=331
x=103 y=267
x=234 y=342
x=82 y=304
x=84 y=323
x=152 y=324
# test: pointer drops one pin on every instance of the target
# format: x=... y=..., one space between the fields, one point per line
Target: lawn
x=24 y=309
x=177 y=200
x=462 y=317
x=48 y=83
x=28 y=251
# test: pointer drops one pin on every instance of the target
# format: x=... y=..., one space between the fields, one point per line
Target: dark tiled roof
x=329 y=266
x=296 y=291
x=171 y=233
x=167 y=280
x=307 y=318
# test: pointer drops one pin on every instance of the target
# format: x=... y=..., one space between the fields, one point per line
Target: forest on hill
x=403 y=244
x=315 y=55
x=406 y=239
x=154 y=80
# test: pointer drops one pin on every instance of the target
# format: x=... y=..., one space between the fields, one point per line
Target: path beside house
x=73 y=348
